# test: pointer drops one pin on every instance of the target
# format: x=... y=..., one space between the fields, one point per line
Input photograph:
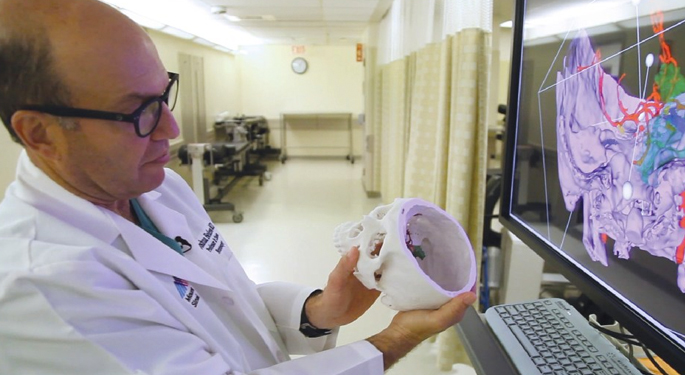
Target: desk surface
x=483 y=349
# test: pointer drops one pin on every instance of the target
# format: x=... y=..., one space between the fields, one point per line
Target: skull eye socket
x=377 y=249
x=374 y=248
x=356 y=231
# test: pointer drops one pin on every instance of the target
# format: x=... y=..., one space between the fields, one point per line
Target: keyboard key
x=539 y=361
x=512 y=310
x=530 y=349
x=595 y=367
x=545 y=369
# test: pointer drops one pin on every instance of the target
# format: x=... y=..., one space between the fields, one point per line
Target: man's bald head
x=52 y=50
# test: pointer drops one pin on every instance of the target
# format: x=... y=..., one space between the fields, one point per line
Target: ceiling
x=305 y=22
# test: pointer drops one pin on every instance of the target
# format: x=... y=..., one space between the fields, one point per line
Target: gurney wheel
x=261 y=179
x=237 y=218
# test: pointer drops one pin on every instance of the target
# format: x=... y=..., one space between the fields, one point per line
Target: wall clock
x=299 y=65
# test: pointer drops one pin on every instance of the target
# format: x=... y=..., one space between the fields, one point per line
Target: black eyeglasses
x=144 y=119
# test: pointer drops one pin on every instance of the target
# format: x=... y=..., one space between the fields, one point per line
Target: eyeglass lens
x=173 y=95
x=149 y=117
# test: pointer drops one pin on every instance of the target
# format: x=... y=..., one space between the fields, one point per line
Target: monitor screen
x=594 y=172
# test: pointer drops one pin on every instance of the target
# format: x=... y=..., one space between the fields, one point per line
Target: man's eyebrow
x=133 y=97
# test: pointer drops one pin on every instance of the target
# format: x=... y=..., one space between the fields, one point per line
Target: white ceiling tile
x=313 y=21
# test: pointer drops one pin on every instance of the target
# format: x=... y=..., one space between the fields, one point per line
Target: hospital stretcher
x=226 y=163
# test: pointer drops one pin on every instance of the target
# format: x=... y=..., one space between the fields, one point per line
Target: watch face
x=299 y=65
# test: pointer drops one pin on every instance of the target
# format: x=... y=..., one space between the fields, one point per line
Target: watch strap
x=307 y=328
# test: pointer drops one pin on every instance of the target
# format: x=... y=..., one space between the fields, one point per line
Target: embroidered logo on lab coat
x=186 y=291
x=211 y=241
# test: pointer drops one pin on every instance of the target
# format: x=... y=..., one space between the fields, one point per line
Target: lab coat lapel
x=172 y=224
x=155 y=256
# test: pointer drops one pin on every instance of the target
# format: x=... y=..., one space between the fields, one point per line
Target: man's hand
x=410 y=328
x=344 y=299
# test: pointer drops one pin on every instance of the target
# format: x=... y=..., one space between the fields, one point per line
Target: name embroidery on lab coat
x=210 y=239
x=186 y=291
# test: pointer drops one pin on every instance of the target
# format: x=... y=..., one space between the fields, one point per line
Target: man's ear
x=33 y=128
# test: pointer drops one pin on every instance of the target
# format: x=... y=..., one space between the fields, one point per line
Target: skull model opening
x=415 y=253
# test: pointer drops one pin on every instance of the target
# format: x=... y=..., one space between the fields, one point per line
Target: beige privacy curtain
x=393 y=129
x=434 y=127
x=467 y=152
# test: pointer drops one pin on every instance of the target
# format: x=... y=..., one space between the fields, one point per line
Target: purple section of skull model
x=623 y=156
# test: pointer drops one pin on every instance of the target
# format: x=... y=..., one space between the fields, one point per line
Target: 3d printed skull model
x=415 y=253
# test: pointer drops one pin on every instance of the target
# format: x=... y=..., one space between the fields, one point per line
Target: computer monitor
x=594 y=168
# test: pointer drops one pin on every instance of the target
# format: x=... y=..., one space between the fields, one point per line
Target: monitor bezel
x=643 y=329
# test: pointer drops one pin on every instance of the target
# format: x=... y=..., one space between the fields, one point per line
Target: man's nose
x=168 y=127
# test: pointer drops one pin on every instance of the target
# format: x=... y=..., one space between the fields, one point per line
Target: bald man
x=108 y=263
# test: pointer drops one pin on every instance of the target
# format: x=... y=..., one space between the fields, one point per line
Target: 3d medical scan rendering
x=623 y=153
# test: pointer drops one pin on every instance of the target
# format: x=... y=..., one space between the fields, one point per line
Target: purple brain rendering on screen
x=624 y=155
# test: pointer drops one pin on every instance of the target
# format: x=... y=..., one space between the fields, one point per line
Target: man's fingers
x=344 y=269
x=453 y=310
x=461 y=302
x=348 y=262
x=351 y=258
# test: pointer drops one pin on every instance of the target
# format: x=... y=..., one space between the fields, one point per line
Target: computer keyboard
x=549 y=336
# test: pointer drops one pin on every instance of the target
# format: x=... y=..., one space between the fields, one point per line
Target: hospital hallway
x=287 y=232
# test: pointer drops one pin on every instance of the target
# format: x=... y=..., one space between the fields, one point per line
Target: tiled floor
x=287 y=235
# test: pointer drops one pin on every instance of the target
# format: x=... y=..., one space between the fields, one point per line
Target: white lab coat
x=84 y=291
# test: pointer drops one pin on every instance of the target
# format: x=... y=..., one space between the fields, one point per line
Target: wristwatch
x=307 y=328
